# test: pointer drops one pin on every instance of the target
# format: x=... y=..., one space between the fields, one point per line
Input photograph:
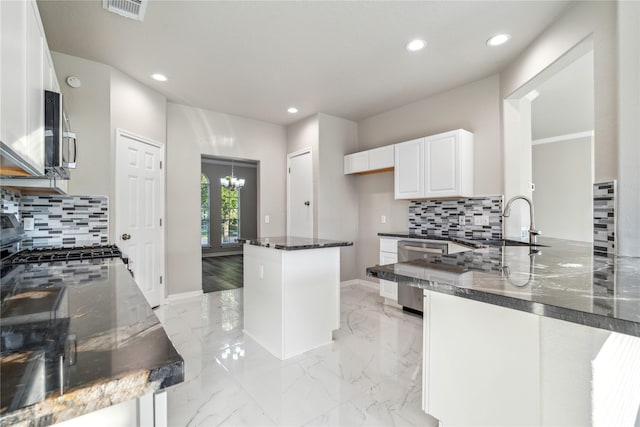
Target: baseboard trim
x=361 y=282
x=184 y=296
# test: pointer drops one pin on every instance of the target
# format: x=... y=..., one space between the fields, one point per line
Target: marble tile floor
x=369 y=376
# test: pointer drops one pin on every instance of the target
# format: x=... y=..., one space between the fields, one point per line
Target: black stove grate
x=40 y=255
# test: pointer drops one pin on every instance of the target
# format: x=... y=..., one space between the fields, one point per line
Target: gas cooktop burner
x=39 y=255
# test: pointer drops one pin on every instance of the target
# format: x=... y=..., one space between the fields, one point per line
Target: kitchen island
x=548 y=336
x=291 y=293
x=79 y=337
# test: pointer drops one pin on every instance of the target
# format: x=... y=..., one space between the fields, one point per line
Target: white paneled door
x=300 y=194
x=140 y=211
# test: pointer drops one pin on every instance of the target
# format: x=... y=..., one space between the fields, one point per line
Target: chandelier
x=231 y=182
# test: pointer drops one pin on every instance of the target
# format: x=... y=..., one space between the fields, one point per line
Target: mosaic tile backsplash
x=64 y=221
x=604 y=218
x=9 y=201
x=455 y=218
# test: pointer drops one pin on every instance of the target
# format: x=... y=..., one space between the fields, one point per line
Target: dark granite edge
x=545 y=310
x=170 y=374
x=294 y=247
x=468 y=242
x=72 y=404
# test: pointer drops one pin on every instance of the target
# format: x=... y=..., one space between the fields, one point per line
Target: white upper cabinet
x=356 y=162
x=24 y=58
x=371 y=160
x=409 y=169
x=435 y=166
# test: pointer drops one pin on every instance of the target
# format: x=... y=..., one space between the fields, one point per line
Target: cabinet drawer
x=389 y=245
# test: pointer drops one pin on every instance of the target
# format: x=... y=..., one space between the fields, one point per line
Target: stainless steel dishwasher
x=410 y=298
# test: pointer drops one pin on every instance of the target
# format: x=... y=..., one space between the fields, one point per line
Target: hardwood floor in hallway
x=222 y=273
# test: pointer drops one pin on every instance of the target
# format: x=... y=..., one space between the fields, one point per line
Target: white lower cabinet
x=388 y=255
x=388 y=289
x=489 y=365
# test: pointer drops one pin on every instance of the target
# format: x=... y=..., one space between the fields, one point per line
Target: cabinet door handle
x=307 y=203
x=126 y=236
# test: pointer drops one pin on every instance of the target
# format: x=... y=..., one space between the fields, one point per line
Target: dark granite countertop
x=293 y=243
x=407 y=235
x=563 y=281
x=77 y=337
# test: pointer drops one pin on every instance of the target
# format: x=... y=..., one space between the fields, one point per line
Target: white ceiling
x=255 y=59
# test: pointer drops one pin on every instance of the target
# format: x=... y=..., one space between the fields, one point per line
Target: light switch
x=261 y=271
x=267 y=219
x=383 y=219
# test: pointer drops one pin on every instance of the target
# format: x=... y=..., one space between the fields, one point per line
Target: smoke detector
x=133 y=9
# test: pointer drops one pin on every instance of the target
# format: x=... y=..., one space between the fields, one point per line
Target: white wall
x=335 y=206
x=474 y=107
x=192 y=132
x=576 y=24
x=89 y=108
x=108 y=99
x=337 y=196
x=564 y=201
x=628 y=232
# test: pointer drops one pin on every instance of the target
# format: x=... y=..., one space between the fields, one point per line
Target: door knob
x=126 y=236
x=307 y=203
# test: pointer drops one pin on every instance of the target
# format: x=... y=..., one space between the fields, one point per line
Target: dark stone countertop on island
x=406 y=235
x=78 y=337
x=564 y=281
x=293 y=243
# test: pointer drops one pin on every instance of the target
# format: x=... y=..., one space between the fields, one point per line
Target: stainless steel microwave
x=60 y=145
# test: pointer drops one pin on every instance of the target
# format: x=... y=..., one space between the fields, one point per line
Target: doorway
x=300 y=209
x=139 y=196
x=228 y=212
x=549 y=144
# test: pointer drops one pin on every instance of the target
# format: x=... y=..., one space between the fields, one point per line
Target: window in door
x=205 y=209
x=229 y=214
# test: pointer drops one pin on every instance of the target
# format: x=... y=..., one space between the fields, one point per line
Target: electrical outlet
x=524 y=232
x=29 y=224
x=267 y=219
x=481 y=220
x=383 y=219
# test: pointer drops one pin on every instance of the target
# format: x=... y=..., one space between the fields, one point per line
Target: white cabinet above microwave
x=377 y=159
x=435 y=166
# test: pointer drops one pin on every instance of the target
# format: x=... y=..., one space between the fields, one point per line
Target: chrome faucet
x=533 y=233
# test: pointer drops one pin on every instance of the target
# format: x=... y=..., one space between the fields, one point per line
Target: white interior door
x=139 y=211
x=300 y=194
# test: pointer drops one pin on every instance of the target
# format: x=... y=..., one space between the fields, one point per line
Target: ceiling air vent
x=133 y=9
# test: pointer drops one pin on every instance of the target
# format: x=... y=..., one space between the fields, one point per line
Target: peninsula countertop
x=77 y=337
x=563 y=280
x=293 y=243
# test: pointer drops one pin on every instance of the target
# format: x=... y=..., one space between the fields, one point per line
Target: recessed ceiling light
x=532 y=95
x=498 y=39
x=415 y=45
x=292 y=110
x=159 y=77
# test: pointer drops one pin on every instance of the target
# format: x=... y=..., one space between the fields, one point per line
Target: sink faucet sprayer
x=532 y=231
